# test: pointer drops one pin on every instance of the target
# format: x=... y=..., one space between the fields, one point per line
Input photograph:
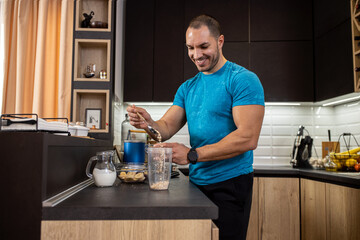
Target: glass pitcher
x=104 y=173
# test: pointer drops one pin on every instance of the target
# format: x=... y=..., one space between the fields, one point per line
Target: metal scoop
x=152 y=130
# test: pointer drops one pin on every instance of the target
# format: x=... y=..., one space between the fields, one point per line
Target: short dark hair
x=206 y=20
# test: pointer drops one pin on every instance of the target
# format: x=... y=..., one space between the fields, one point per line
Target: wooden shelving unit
x=92 y=99
x=355 y=28
x=102 y=12
x=93 y=49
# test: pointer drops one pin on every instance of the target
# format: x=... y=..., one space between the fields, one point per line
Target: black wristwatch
x=192 y=156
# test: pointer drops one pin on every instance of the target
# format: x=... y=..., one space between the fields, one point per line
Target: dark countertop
x=123 y=201
x=349 y=179
x=182 y=201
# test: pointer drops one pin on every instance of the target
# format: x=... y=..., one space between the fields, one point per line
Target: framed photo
x=93 y=117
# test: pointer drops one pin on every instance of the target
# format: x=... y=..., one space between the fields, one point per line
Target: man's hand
x=135 y=119
x=179 y=152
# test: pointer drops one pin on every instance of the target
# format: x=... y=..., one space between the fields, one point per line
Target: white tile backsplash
x=279 y=128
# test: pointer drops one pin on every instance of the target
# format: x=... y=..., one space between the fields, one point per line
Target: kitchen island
x=287 y=203
x=133 y=211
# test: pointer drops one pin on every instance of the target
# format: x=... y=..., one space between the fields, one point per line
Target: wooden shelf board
x=357 y=52
x=356 y=15
x=94 y=29
x=95 y=5
x=99 y=131
x=91 y=79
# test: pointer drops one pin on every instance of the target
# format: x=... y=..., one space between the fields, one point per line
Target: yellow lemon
x=350 y=162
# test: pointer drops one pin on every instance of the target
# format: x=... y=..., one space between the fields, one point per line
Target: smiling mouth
x=200 y=62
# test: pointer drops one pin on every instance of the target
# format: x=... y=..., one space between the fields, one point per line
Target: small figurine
x=90 y=71
x=86 y=22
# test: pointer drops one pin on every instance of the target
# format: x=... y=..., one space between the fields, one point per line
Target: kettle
x=104 y=172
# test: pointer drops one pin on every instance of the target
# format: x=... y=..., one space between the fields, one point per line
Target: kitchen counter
x=126 y=201
x=182 y=201
x=350 y=179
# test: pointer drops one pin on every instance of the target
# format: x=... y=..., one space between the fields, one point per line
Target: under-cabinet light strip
x=341 y=101
x=282 y=104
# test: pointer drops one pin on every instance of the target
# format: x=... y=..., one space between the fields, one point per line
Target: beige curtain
x=38 y=56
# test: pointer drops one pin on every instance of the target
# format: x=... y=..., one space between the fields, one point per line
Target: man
x=224 y=107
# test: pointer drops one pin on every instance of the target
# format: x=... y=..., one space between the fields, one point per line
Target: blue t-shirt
x=208 y=101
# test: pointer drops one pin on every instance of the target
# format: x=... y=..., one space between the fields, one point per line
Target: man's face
x=203 y=49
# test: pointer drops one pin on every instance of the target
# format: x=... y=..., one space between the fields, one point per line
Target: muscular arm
x=248 y=120
x=172 y=121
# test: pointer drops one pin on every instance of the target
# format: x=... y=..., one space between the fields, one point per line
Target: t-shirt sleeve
x=179 y=99
x=246 y=89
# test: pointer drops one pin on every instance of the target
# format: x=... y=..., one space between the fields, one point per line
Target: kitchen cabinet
x=237 y=52
x=154 y=42
x=328 y=14
x=279 y=206
x=334 y=71
x=139 y=50
x=333 y=63
x=342 y=208
x=285 y=69
x=280 y=21
x=253 y=228
x=93 y=51
x=313 y=210
x=168 y=49
x=233 y=16
x=275 y=209
x=301 y=54
x=40 y=165
x=128 y=229
x=329 y=211
x=156 y=60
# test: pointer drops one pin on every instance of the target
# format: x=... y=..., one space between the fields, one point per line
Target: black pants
x=233 y=198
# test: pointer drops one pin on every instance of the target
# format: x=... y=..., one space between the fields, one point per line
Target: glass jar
x=330 y=165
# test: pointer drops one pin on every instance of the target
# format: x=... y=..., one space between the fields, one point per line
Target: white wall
x=280 y=128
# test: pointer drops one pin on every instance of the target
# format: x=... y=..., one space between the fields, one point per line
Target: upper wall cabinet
x=237 y=52
x=280 y=20
x=139 y=50
x=333 y=63
x=232 y=14
x=285 y=69
x=168 y=49
x=329 y=14
x=153 y=50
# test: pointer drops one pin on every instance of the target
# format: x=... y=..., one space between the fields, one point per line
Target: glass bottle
x=125 y=131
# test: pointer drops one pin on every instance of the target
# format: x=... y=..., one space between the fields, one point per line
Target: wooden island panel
x=192 y=229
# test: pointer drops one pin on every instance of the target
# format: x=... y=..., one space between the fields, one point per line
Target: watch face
x=192 y=156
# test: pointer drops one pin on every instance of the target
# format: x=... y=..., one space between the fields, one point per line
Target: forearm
x=234 y=144
x=163 y=129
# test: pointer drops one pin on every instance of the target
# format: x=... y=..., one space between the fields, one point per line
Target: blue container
x=134 y=151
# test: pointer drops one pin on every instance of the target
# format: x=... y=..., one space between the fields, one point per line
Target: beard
x=213 y=61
